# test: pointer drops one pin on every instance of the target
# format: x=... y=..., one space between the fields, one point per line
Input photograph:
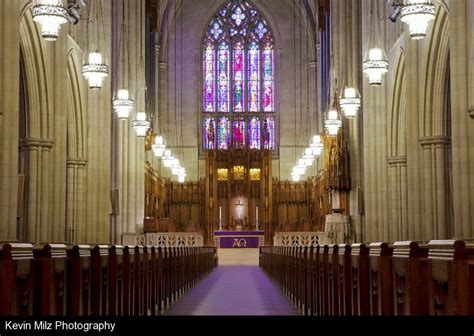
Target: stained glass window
x=224 y=78
x=239 y=133
x=254 y=133
x=238 y=72
x=268 y=133
x=209 y=66
x=209 y=133
x=238 y=89
x=268 y=96
x=223 y=134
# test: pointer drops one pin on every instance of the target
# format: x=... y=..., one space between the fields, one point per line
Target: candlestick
x=220 y=218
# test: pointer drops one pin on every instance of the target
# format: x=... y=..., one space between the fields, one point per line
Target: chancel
x=166 y=156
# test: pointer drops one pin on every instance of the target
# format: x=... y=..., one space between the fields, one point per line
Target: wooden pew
x=410 y=278
x=360 y=280
x=78 y=280
x=115 y=278
x=449 y=268
x=333 y=280
x=129 y=281
x=99 y=280
x=345 y=280
x=324 y=281
x=49 y=284
x=16 y=290
x=138 y=288
x=381 y=279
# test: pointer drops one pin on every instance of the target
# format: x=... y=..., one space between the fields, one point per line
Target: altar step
x=235 y=256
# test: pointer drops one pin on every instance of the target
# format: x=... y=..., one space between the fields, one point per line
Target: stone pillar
x=9 y=116
x=463 y=155
x=75 y=199
x=39 y=226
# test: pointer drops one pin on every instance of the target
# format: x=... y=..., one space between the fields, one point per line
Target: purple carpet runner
x=234 y=290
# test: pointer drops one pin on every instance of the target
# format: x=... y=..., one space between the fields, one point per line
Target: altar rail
x=300 y=239
x=404 y=278
x=97 y=280
x=179 y=239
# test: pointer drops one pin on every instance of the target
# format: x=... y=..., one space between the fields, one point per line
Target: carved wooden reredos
x=242 y=180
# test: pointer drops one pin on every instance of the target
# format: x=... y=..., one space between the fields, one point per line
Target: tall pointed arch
x=238 y=79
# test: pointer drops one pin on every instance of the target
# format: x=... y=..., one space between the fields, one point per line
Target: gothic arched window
x=238 y=97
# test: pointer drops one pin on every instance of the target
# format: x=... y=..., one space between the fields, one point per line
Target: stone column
x=9 y=116
x=75 y=200
x=39 y=226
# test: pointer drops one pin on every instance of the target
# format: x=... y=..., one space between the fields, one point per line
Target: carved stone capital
x=471 y=112
x=37 y=144
x=397 y=161
x=76 y=162
x=163 y=66
x=437 y=140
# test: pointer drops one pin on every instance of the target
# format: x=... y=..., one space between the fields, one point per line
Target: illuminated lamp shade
x=333 y=123
x=95 y=70
x=300 y=169
x=50 y=15
x=141 y=125
x=317 y=146
x=295 y=177
x=350 y=102
x=168 y=159
x=375 y=66
x=123 y=105
x=417 y=14
x=182 y=175
x=159 y=146
x=308 y=157
x=175 y=167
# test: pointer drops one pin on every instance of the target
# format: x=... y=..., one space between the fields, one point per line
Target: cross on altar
x=240 y=208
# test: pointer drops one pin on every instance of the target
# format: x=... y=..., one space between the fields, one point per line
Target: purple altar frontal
x=238 y=239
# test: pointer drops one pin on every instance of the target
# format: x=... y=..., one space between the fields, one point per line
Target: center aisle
x=234 y=290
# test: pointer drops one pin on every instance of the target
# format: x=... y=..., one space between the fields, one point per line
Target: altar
x=239 y=239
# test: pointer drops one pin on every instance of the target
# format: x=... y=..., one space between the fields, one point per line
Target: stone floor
x=234 y=290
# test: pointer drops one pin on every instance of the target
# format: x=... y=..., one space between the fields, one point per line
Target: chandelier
x=308 y=157
x=316 y=145
x=123 y=105
x=141 y=125
x=182 y=175
x=333 y=123
x=375 y=66
x=295 y=176
x=350 y=101
x=417 y=14
x=375 y=63
x=167 y=159
x=159 y=146
x=95 y=68
x=50 y=14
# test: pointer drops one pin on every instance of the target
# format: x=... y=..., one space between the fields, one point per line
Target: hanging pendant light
x=182 y=175
x=350 y=101
x=295 y=177
x=95 y=68
x=141 y=125
x=308 y=157
x=167 y=159
x=333 y=123
x=375 y=66
x=159 y=146
x=417 y=14
x=317 y=146
x=123 y=105
x=375 y=63
x=50 y=14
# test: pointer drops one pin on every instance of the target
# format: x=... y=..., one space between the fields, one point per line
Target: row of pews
x=404 y=278
x=56 y=279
